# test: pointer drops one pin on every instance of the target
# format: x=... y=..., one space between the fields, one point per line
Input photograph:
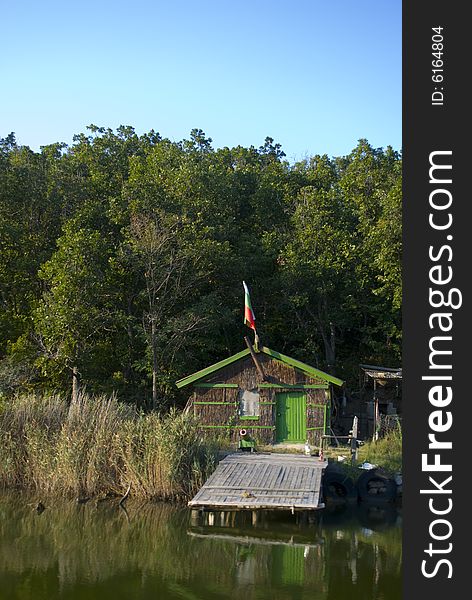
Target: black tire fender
x=377 y=486
x=336 y=485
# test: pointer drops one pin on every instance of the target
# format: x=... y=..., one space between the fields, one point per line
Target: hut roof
x=292 y=362
x=381 y=372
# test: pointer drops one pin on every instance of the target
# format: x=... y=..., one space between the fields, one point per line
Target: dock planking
x=263 y=481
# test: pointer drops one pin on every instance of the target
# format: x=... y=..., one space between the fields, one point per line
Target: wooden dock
x=250 y=481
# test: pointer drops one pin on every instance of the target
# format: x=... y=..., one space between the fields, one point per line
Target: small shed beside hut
x=381 y=393
x=276 y=398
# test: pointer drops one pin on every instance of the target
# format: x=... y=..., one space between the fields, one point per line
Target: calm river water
x=91 y=552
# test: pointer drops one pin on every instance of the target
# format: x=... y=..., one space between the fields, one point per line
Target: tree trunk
x=128 y=368
x=154 y=364
x=329 y=341
x=75 y=384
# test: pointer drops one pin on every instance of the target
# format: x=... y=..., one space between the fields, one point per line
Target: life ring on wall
x=242 y=432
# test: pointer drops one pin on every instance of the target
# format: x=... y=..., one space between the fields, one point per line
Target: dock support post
x=302 y=518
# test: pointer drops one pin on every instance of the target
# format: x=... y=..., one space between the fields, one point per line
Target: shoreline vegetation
x=98 y=446
x=385 y=452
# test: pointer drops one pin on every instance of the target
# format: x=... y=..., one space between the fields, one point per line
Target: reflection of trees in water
x=98 y=540
x=364 y=552
x=343 y=556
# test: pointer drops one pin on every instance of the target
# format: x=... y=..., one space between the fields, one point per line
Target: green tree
x=77 y=308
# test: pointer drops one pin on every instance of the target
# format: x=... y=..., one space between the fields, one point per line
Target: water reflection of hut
x=348 y=554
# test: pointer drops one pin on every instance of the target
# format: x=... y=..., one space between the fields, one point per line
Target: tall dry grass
x=165 y=456
x=97 y=445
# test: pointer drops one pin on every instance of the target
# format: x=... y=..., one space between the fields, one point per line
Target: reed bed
x=97 y=445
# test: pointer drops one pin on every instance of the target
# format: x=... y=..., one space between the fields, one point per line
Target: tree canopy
x=123 y=256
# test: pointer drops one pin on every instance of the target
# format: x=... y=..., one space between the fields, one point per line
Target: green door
x=290 y=421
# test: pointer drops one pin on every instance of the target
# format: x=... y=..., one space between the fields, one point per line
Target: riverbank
x=98 y=446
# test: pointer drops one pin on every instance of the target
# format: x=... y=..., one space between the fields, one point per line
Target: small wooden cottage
x=274 y=397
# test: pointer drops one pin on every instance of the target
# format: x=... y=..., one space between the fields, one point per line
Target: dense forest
x=122 y=259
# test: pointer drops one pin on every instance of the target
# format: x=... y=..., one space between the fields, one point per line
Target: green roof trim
x=309 y=370
x=211 y=369
x=293 y=362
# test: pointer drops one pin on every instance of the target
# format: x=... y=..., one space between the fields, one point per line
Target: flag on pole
x=249 y=318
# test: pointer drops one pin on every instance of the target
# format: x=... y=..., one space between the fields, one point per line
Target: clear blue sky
x=314 y=75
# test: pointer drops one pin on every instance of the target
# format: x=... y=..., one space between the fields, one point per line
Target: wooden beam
x=257 y=489
x=294 y=386
x=245 y=425
x=216 y=385
x=211 y=402
x=255 y=359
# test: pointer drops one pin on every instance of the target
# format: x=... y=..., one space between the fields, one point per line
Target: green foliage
x=385 y=452
x=122 y=256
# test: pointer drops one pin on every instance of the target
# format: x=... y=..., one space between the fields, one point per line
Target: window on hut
x=249 y=403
